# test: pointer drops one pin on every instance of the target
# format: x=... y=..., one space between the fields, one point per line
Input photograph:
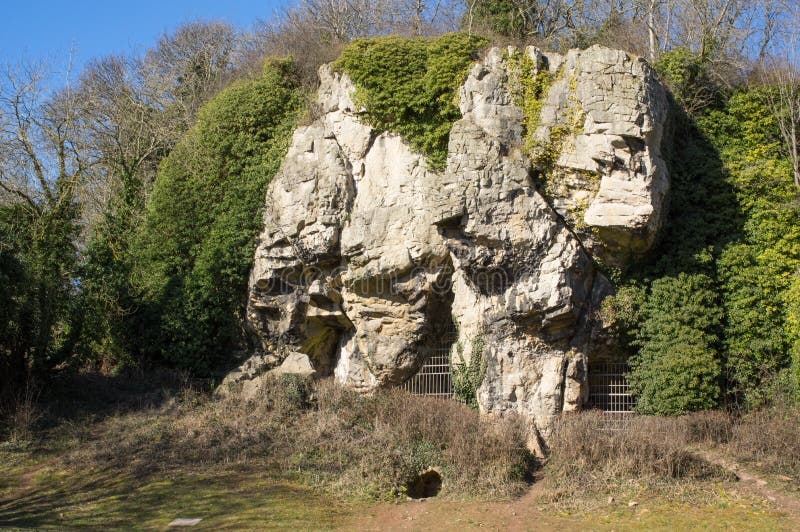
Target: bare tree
x=781 y=75
x=189 y=65
x=43 y=155
x=134 y=109
x=314 y=31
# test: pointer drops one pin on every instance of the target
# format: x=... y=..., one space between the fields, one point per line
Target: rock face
x=368 y=254
x=609 y=181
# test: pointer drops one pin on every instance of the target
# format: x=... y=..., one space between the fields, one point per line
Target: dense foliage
x=712 y=312
x=196 y=245
x=410 y=86
x=37 y=275
x=759 y=271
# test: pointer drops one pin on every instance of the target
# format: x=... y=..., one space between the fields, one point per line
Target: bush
x=687 y=75
x=676 y=369
x=758 y=271
x=410 y=86
x=196 y=248
x=369 y=447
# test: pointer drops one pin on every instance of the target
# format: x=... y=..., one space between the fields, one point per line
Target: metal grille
x=609 y=390
x=434 y=377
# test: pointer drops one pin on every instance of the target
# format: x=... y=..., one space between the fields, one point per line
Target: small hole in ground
x=426 y=484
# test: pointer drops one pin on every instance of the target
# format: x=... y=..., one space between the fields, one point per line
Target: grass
x=251 y=496
x=726 y=512
x=125 y=454
x=224 y=497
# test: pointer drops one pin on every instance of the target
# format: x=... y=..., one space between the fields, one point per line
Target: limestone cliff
x=368 y=254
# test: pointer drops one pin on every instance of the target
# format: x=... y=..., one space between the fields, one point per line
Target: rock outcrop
x=368 y=254
x=604 y=114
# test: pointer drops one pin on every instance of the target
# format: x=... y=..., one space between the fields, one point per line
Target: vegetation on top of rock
x=410 y=86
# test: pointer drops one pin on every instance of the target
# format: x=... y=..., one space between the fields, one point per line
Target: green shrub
x=502 y=17
x=719 y=295
x=676 y=369
x=686 y=74
x=410 y=86
x=667 y=311
x=196 y=248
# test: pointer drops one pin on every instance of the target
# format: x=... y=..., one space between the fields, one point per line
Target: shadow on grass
x=110 y=499
x=73 y=396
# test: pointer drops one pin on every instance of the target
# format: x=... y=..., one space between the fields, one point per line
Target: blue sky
x=48 y=29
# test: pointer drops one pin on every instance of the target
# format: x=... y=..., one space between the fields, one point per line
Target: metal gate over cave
x=609 y=390
x=434 y=378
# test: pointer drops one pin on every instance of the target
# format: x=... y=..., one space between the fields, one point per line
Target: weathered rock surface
x=609 y=180
x=368 y=255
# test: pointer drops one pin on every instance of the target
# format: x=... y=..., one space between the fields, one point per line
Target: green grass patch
x=233 y=497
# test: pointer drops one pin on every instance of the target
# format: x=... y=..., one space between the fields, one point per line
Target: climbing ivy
x=529 y=89
x=195 y=248
x=468 y=376
x=410 y=86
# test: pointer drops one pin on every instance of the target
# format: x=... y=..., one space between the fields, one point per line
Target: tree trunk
x=651 y=27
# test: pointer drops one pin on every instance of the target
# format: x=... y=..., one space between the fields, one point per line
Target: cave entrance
x=435 y=378
x=609 y=389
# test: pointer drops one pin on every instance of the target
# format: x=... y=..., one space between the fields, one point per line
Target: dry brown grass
x=354 y=445
x=659 y=454
x=372 y=447
x=588 y=459
x=770 y=437
x=713 y=427
x=767 y=437
x=19 y=413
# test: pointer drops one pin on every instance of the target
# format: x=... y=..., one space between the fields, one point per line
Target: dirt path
x=755 y=484
x=433 y=514
x=776 y=511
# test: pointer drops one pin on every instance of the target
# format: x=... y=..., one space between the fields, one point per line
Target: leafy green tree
x=41 y=165
x=192 y=259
